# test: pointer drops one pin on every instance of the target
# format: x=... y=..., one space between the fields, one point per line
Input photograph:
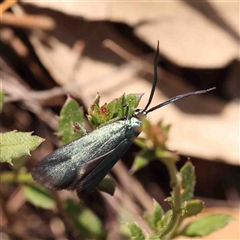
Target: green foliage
x=19 y=177
x=157 y=216
x=136 y=232
x=84 y=220
x=70 y=121
x=19 y=163
x=155 y=135
x=193 y=207
x=206 y=225
x=153 y=145
x=167 y=217
x=15 y=144
x=183 y=183
x=39 y=197
x=98 y=116
x=149 y=218
x=188 y=181
x=142 y=159
x=71 y=115
x=107 y=185
x=154 y=219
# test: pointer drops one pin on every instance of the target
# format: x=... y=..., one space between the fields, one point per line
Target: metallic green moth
x=83 y=163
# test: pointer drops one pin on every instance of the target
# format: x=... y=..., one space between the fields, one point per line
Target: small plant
x=182 y=205
x=154 y=146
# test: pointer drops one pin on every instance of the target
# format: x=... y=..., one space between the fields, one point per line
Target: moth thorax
x=133 y=125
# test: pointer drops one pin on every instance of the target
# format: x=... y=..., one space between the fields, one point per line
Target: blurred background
x=51 y=49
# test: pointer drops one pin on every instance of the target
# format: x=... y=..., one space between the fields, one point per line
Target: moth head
x=139 y=113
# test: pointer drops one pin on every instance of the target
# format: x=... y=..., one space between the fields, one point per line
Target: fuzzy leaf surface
x=14 y=145
x=157 y=214
x=187 y=173
x=70 y=113
x=136 y=231
x=99 y=115
x=206 y=225
x=193 y=207
x=142 y=159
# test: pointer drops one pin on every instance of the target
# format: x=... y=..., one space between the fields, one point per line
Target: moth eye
x=139 y=113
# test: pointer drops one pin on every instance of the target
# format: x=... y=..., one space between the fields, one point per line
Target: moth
x=84 y=162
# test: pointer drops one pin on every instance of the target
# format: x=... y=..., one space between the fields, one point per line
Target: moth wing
x=92 y=164
x=94 y=177
x=56 y=172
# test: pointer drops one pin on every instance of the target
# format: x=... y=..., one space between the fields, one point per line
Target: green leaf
x=70 y=121
x=193 y=207
x=39 y=196
x=149 y=218
x=166 y=154
x=107 y=185
x=155 y=220
x=167 y=217
x=166 y=128
x=141 y=142
x=187 y=173
x=206 y=225
x=19 y=162
x=112 y=111
x=136 y=231
x=99 y=115
x=157 y=215
x=1 y=100
x=15 y=144
x=132 y=101
x=156 y=135
x=142 y=159
x=84 y=220
x=154 y=237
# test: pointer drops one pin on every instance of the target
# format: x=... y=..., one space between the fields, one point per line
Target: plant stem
x=175 y=201
x=18 y=178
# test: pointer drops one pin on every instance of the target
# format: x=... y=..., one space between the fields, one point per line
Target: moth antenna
x=179 y=97
x=155 y=78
